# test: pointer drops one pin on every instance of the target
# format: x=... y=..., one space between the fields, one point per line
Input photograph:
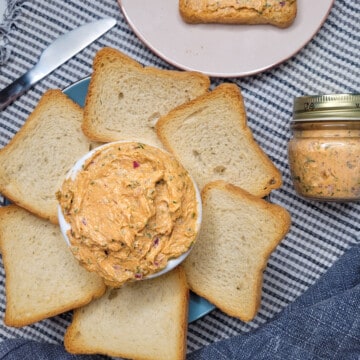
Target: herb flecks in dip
x=131 y=208
x=326 y=164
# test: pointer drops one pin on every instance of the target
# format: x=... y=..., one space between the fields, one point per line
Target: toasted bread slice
x=252 y=12
x=140 y=320
x=43 y=278
x=35 y=162
x=210 y=137
x=125 y=99
x=238 y=234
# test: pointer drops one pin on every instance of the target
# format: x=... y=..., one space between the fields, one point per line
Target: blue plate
x=198 y=306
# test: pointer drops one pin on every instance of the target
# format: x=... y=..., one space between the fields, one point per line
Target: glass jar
x=324 y=151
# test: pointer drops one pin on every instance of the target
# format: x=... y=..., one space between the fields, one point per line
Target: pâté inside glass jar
x=324 y=151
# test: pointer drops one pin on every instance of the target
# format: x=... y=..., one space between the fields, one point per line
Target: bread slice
x=274 y=12
x=125 y=99
x=34 y=163
x=238 y=234
x=141 y=320
x=210 y=137
x=43 y=278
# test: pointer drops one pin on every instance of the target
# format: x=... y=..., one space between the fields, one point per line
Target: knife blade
x=57 y=53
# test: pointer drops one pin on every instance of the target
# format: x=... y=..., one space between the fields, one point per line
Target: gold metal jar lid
x=327 y=107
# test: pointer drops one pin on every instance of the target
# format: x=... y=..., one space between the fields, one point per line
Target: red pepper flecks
x=156 y=241
x=135 y=164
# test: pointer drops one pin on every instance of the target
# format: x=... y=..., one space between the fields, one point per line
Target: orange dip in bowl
x=130 y=209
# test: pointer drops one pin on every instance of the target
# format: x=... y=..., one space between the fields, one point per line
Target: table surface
x=320 y=232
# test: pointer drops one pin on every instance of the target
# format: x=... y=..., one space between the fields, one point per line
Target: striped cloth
x=320 y=232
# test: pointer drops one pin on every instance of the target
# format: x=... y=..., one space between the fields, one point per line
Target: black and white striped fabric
x=320 y=232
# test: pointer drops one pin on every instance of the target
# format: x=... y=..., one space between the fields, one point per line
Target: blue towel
x=323 y=323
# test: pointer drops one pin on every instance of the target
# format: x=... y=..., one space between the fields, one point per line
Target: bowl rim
x=77 y=167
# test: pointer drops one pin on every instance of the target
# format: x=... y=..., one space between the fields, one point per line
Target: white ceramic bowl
x=65 y=226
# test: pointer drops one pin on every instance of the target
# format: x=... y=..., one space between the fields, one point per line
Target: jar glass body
x=324 y=159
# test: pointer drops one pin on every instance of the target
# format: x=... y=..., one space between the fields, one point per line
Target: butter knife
x=61 y=50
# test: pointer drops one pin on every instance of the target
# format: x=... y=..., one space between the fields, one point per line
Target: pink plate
x=221 y=50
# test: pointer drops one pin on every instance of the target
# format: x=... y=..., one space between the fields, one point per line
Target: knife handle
x=17 y=88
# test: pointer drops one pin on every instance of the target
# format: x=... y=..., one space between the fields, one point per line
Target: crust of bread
x=142 y=320
x=210 y=137
x=239 y=233
x=43 y=279
x=35 y=161
x=125 y=99
x=274 y=12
